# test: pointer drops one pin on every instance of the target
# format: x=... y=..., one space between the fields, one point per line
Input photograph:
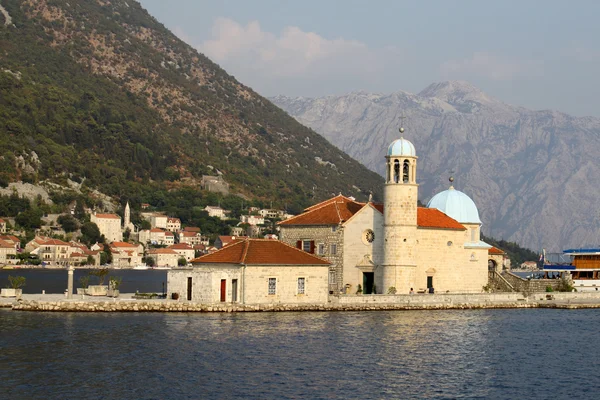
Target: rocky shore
x=439 y=302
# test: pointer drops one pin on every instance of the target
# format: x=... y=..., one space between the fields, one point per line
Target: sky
x=535 y=54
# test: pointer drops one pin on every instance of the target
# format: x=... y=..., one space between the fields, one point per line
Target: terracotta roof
x=434 y=218
x=122 y=244
x=156 y=230
x=162 y=251
x=108 y=216
x=181 y=246
x=191 y=229
x=10 y=238
x=189 y=234
x=331 y=212
x=54 y=242
x=169 y=233
x=1 y=221
x=228 y=239
x=260 y=252
x=495 y=250
x=173 y=220
x=199 y=247
x=6 y=245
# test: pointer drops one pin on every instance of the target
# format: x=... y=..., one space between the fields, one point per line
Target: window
x=396 y=171
x=473 y=231
x=331 y=277
x=333 y=249
x=306 y=245
x=321 y=249
x=334 y=228
x=301 y=285
x=272 y=285
x=405 y=172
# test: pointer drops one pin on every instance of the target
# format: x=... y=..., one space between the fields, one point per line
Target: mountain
x=100 y=92
x=533 y=174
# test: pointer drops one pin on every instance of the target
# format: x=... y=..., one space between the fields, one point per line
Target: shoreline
x=125 y=303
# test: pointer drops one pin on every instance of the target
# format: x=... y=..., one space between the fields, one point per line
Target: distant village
x=166 y=243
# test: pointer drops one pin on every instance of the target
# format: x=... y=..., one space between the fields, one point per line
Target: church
x=396 y=247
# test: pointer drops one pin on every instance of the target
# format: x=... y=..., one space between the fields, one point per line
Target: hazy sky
x=537 y=54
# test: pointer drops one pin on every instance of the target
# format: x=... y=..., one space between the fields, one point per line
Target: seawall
x=342 y=303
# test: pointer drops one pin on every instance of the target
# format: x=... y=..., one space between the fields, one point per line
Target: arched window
x=396 y=171
x=387 y=173
x=405 y=172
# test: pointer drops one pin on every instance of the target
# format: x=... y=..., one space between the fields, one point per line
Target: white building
x=184 y=250
x=216 y=212
x=156 y=236
x=164 y=257
x=252 y=219
x=126 y=255
x=109 y=226
x=173 y=224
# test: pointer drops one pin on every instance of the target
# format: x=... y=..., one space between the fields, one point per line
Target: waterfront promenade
x=126 y=303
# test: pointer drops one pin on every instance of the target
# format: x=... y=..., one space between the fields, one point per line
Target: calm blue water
x=488 y=354
x=55 y=281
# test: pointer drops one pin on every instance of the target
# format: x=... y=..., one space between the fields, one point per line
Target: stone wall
x=321 y=234
x=530 y=285
x=343 y=303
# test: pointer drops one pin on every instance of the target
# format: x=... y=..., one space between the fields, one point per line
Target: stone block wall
x=321 y=234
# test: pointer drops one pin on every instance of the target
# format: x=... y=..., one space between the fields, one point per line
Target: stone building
x=173 y=224
x=164 y=257
x=2 y=226
x=214 y=184
x=396 y=246
x=184 y=250
x=253 y=271
x=109 y=226
x=126 y=255
x=8 y=253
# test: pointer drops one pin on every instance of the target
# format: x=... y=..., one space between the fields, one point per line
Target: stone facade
x=329 y=238
x=252 y=284
x=109 y=226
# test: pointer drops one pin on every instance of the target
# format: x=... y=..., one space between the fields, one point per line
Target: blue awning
x=558 y=267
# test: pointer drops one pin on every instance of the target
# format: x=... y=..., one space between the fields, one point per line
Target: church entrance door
x=368 y=282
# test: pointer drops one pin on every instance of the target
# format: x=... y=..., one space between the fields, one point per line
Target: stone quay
x=125 y=303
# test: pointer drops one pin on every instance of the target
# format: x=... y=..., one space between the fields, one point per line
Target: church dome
x=457 y=205
x=401 y=147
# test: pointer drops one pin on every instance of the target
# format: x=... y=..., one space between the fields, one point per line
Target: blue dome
x=457 y=205
x=401 y=147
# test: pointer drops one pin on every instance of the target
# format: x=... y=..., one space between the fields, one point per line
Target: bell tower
x=400 y=217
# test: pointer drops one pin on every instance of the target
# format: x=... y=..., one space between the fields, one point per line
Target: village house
x=253 y=271
x=216 y=212
x=271 y=213
x=237 y=231
x=156 y=219
x=79 y=254
x=53 y=252
x=126 y=255
x=15 y=241
x=109 y=226
x=2 y=226
x=173 y=224
x=156 y=236
x=184 y=250
x=190 y=238
x=252 y=219
x=164 y=257
x=8 y=253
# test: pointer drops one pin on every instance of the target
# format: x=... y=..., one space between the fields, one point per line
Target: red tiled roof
x=54 y=242
x=260 y=252
x=495 y=250
x=6 y=245
x=162 y=251
x=228 y=239
x=156 y=230
x=122 y=244
x=108 y=216
x=189 y=234
x=331 y=212
x=10 y=238
x=191 y=229
x=434 y=218
x=1 y=221
x=181 y=246
x=173 y=220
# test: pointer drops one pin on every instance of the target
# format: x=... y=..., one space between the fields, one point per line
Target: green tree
x=29 y=219
x=149 y=261
x=68 y=223
x=182 y=262
x=90 y=233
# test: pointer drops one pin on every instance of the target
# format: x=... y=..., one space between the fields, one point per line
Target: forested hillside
x=100 y=92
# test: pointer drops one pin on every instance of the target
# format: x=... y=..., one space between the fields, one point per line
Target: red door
x=223 y=288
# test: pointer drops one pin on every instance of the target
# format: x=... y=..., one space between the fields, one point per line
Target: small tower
x=400 y=217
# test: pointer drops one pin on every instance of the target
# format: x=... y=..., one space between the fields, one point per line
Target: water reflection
x=411 y=354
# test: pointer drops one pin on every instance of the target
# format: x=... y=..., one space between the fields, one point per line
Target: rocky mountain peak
x=457 y=93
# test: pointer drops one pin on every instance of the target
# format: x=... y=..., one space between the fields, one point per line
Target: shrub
x=100 y=274
x=115 y=281
x=84 y=281
x=359 y=289
x=549 y=289
x=16 y=282
x=392 y=290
